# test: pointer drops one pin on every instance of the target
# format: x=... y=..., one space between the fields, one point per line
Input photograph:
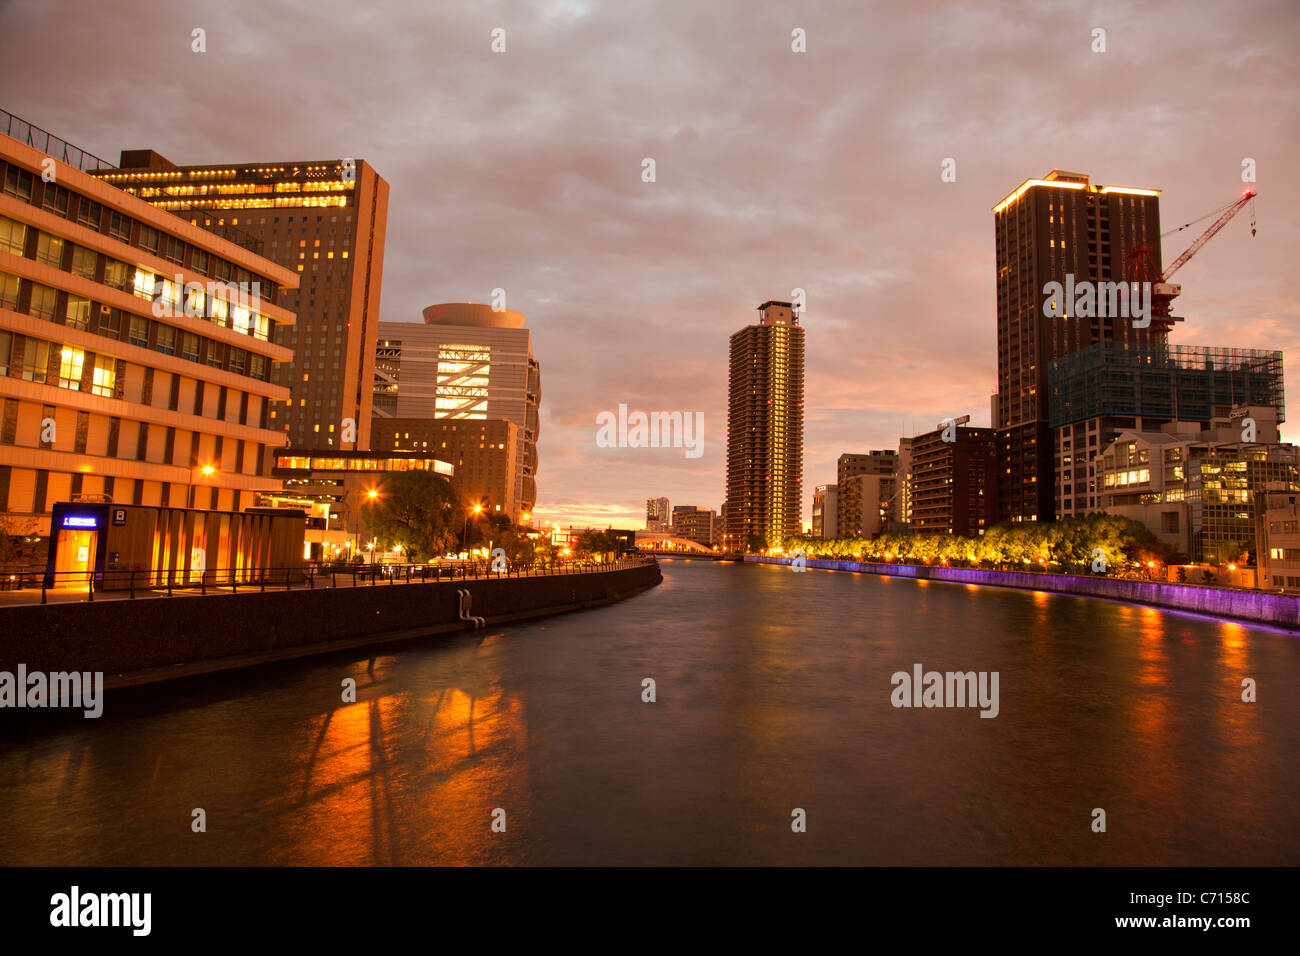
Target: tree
x=592 y=541
x=519 y=548
x=18 y=535
x=418 y=510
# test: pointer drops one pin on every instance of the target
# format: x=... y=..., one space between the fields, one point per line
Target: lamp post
x=464 y=531
x=208 y=471
x=371 y=495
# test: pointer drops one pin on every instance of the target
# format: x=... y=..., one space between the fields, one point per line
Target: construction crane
x=1141 y=265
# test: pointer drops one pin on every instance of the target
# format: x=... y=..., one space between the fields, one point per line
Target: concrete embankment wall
x=1260 y=607
x=156 y=638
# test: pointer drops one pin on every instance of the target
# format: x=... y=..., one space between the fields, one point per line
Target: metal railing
x=188 y=580
x=51 y=145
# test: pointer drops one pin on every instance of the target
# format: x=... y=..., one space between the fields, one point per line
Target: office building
x=658 y=516
x=117 y=384
x=467 y=361
x=854 y=513
x=697 y=524
x=825 y=513
x=484 y=452
x=1194 y=484
x=955 y=481
x=873 y=499
x=336 y=488
x=323 y=219
x=903 y=485
x=678 y=511
x=1065 y=229
x=765 y=431
x=1277 y=540
x=1109 y=387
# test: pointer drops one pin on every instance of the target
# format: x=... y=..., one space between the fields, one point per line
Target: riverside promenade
x=146 y=640
x=1242 y=604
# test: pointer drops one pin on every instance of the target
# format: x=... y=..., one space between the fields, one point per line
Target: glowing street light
x=207 y=471
x=464 y=531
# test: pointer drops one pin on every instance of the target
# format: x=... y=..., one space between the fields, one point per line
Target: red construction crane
x=1141 y=266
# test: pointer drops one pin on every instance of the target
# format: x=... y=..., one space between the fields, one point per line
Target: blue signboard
x=80 y=521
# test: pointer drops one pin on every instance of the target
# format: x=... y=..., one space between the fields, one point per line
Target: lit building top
x=291 y=463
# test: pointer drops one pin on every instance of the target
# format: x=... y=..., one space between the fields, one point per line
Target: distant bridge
x=662 y=542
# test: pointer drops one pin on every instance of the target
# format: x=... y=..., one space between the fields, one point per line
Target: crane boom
x=1140 y=266
x=1209 y=233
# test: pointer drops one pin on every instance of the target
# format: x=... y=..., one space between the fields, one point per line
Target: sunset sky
x=775 y=170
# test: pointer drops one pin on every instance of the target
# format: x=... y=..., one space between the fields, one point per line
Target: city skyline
x=548 y=202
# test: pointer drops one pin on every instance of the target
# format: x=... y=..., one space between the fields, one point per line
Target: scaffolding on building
x=1161 y=381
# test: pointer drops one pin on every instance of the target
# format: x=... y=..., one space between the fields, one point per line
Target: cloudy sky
x=774 y=170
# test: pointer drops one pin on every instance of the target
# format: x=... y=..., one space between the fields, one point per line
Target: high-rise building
x=851 y=509
x=1064 y=229
x=467 y=361
x=117 y=384
x=323 y=219
x=765 y=430
x=954 y=481
x=903 y=484
x=825 y=514
x=658 y=517
x=1106 y=388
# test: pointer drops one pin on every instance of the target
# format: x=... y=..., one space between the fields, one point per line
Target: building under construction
x=1097 y=392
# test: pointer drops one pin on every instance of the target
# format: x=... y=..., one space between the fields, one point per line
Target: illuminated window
x=145 y=284
x=70 y=363
x=105 y=375
x=240 y=319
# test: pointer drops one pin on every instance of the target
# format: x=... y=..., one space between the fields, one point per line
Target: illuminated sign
x=80 y=521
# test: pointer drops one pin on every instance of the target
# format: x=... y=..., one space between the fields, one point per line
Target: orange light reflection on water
x=367 y=770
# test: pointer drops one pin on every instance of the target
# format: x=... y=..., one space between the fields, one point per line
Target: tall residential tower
x=1061 y=228
x=765 y=431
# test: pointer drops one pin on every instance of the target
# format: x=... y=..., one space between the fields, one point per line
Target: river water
x=773 y=695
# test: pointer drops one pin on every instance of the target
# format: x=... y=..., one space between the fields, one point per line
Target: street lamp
x=371 y=494
x=208 y=471
x=464 y=531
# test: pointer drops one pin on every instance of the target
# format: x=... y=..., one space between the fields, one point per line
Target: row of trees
x=422 y=512
x=1070 y=544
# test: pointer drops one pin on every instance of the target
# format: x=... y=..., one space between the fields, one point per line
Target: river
x=773 y=696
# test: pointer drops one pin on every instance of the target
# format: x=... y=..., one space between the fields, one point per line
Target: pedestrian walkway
x=312 y=579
